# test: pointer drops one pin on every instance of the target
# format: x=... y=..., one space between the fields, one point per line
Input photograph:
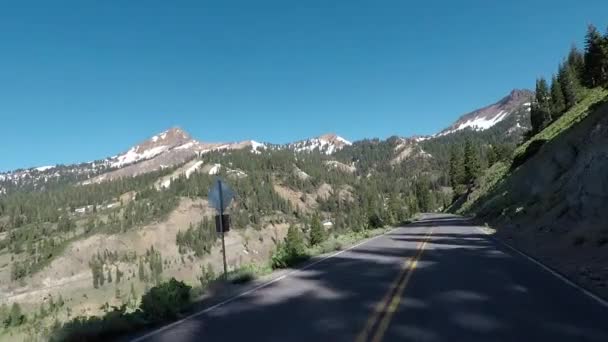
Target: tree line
x=579 y=70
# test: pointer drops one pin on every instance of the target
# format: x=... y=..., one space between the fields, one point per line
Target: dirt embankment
x=555 y=205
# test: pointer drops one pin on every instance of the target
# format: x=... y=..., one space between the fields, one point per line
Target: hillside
x=551 y=200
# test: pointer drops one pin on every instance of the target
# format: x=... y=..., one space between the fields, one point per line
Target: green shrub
x=291 y=251
x=317 y=232
x=114 y=323
x=241 y=275
x=375 y=221
x=165 y=301
x=207 y=276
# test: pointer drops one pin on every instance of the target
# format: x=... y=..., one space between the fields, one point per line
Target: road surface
x=439 y=279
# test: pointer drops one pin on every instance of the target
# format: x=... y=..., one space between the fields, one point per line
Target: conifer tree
x=472 y=166
x=558 y=104
x=595 y=58
x=540 y=114
x=317 y=232
x=142 y=271
x=423 y=195
x=577 y=61
x=294 y=242
x=456 y=167
x=16 y=317
x=570 y=84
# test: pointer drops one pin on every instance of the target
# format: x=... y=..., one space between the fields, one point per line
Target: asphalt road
x=440 y=279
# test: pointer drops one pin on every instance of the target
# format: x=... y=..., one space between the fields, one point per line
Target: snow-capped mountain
x=517 y=102
x=167 y=149
x=176 y=147
x=327 y=144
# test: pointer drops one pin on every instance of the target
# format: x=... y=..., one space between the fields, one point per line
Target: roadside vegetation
x=173 y=299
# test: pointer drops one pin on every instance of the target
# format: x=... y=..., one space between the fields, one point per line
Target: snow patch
x=237 y=173
x=419 y=139
x=193 y=168
x=133 y=155
x=166 y=183
x=480 y=124
x=185 y=146
x=44 y=168
x=257 y=146
x=346 y=142
x=215 y=169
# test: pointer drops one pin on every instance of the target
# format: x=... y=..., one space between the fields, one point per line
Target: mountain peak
x=326 y=143
x=170 y=135
x=334 y=139
x=486 y=117
x=518 y=95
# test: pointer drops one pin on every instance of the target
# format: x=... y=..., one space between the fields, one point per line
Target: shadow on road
x=464 y=289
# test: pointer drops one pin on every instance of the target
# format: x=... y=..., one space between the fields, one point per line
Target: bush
x=113 y=323
x=375 y=221
x=291 y=251
x=165 y=301
x=241 y=275
x=317 y=232
x=207 y=276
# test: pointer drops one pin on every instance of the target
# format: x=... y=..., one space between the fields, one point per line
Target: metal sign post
x=220 y=196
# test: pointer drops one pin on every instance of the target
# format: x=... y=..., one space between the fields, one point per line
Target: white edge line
x=245 y=293
x=548 y=269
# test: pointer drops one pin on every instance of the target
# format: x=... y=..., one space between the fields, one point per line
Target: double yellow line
x=385 y=309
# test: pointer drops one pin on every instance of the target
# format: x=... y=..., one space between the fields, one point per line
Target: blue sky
x=82 y=80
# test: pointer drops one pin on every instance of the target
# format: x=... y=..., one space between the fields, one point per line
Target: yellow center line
x=388 y=305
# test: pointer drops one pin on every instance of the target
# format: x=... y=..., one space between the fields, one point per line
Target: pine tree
x=101 y=276
x=317 y=232
x=595 y=58
x=558 y=104
x=142 y=271
x=540 y=114
x=423 y=195
x=577 y=61
x=472 y=166
x=456 y=167
x=16 y=317
x=570 y=84
x=294 y=242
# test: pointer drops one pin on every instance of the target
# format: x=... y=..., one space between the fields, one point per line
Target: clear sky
x=82 y=80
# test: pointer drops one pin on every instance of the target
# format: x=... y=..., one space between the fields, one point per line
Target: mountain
x=164 y=150
x=507 y=119
x=484 y=118
x=327 y=144
x=167 y=149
